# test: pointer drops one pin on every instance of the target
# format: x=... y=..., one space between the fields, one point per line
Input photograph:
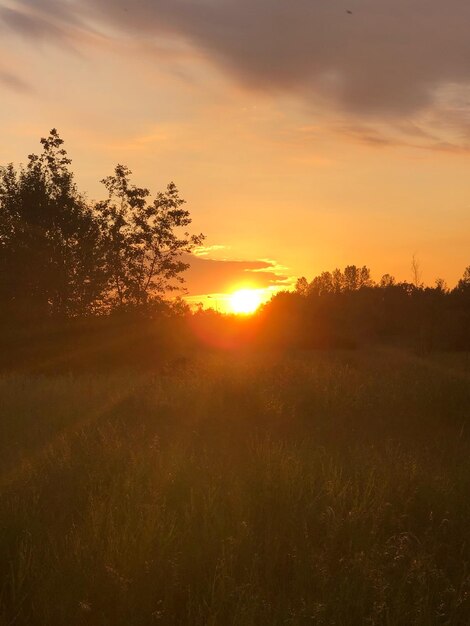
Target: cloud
x=222 y=276
x=49 y=20
x=32 y=26
x=205 y=250
x=387 y=57
x=367 y=57
x=60 y=22
x=14 y=82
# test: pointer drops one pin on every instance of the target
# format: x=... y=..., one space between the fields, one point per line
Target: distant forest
x=86 y=282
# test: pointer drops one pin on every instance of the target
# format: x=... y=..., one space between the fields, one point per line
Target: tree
x=386 y=281
x=322 y=284
x=143 y=250
x=441 y=285
x=355 y=278
x=337 y=281
x=464 y=283
x=302 y=286
x=50 y=252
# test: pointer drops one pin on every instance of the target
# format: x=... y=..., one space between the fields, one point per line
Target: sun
x=245 y=301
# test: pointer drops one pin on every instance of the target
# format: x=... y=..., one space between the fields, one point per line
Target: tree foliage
x=61 y=256
x=50 y=242
x=143 y=248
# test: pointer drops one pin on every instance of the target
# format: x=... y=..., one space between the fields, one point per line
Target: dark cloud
x=383 y=57
x=217 y=276
x=388 y=56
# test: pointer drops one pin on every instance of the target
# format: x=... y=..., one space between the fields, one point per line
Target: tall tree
x=464 y=283
x=355 y=278
x=322 y=284
x=144 y=243
x=50 y=252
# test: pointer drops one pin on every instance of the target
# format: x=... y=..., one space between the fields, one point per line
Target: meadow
x=327 y=488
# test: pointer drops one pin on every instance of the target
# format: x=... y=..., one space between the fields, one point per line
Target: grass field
x=239 y=490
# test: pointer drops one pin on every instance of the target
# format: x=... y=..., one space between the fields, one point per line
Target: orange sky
x=303 y=138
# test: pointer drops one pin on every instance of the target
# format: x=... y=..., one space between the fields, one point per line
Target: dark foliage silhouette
x=347 y=309
x=51 y=257
x=141 y=246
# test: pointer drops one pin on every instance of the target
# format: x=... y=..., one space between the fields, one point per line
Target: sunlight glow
x=245 y=301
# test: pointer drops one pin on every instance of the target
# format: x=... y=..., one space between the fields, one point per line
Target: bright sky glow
x=245 y=301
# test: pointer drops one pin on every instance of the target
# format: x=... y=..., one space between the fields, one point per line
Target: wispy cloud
x=202 y=251
x=14 y=82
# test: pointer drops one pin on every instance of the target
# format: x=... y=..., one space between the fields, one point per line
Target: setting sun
x=245 y=301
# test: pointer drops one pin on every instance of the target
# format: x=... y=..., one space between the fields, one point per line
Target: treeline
x=348 y=309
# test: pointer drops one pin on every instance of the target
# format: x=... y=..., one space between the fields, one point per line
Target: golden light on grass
x=245 y=301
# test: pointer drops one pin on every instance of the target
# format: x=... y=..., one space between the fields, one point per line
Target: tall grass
x=239 y=490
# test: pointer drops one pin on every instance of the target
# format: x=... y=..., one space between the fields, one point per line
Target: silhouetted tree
x=322 y=284
x=441 y=285
x=355 y=278
x=464 y=283
x=143 y=249
x=351 y=279
x=50 y=244
x=302 y=286
x=387 y=280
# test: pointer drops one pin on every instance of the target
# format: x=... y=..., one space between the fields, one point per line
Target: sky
x=304 y=135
